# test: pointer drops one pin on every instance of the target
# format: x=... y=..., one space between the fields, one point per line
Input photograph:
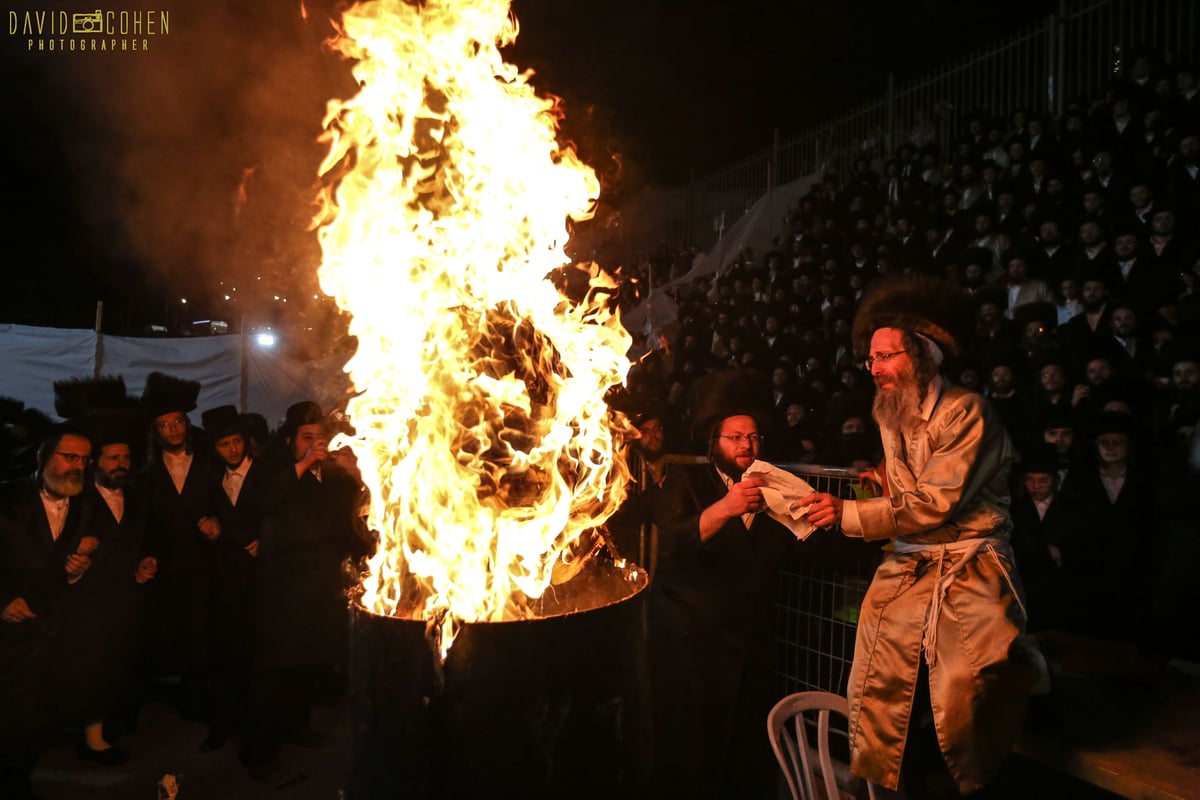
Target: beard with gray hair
x=66 y=484
x=895 y=406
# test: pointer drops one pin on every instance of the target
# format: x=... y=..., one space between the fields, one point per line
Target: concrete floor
x=165 y=743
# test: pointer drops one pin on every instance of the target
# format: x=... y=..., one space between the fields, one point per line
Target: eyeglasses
x=738 y=438
x=177 y=422
x=73 y=458
x=882 y=357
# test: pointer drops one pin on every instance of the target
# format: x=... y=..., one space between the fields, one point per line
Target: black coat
x=1047 y=598
x=233 y=584
x=179 y=594
x=711 y=641
x=32 y=567
x=96 y=654
x=310 y=529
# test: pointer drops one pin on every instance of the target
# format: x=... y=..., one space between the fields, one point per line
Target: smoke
x=191 y=165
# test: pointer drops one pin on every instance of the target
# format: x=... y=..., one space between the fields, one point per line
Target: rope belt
x=968 y=550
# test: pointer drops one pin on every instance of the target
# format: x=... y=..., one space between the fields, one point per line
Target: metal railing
x=1075 y=52
x=819 y=599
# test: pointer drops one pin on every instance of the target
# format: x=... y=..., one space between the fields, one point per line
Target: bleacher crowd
x=1074 y=244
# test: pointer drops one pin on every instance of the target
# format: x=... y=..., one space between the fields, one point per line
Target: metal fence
x=1075 y=52
x=819 y=601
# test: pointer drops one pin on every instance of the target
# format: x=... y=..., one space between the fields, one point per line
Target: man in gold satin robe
x=933 y=691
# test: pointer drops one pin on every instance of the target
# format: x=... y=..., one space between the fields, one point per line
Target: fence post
x=892 y=141
x=244 y=387
x=98 y=352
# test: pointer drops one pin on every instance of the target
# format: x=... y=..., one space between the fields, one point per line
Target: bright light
x=183 y=300
x=266 y=340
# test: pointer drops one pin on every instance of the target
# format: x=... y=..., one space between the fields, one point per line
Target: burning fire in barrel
x=480 y=424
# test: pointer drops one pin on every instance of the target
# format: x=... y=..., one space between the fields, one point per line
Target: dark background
x=141 y=179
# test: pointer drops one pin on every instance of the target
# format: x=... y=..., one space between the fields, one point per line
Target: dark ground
x=165 y=743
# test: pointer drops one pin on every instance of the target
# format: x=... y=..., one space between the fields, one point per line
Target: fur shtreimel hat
x=919 y=303
x=75 y=397
x=102 y=407
x=166 y=393
x=731 y=393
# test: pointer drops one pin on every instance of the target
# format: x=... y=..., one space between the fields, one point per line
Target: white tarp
x=758 y=229
x=34 y=358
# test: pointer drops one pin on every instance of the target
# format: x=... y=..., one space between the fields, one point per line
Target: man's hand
x=252 y=549
x=77 y=565
x=745 y=497
x=824 y=510
x=146 y=569
x=17 y=611
x=210 y=527
x=315 y=454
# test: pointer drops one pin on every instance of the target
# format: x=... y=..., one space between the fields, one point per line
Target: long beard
x=68 y=484
x=894 y=407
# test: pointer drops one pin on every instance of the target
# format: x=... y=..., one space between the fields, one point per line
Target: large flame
x=481 y=428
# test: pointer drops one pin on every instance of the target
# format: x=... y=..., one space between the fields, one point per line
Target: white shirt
x=234 y=478
x=177 y=466
x=56 y=512
x=115 y=498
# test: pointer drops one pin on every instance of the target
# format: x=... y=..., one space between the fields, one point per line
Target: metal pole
x=891 y=113
x=244 y=387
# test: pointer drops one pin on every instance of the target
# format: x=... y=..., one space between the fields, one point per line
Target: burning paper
x=481 y=428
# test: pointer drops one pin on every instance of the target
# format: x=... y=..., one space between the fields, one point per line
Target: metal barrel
x=547 y=707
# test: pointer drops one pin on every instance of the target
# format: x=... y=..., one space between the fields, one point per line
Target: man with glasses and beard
x=932 y=684
x=96 y=648
x=711 y=603
x=42 y=552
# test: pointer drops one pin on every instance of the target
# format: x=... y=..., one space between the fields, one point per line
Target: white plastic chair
x=788 y=725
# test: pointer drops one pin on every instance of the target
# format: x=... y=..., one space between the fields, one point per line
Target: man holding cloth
x=711 y=601
x=932 y=685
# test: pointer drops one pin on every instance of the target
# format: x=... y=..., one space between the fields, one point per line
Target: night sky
x=123 y=169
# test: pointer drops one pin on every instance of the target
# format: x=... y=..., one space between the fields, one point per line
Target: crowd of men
x=1072 y=244
x=129 y=559
x=143 y=557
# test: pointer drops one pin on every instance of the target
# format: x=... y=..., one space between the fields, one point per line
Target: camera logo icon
x=88 y=23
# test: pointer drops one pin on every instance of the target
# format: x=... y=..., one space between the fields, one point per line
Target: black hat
x=76 y=397
x=306 y=412
x=255 y=426
x=1056 y=419
x=102 y=407
x=731 y=393
x=164 y=394
x=118 y=426
x=645 y=411
x=1114 y=422
x=1039 y=457
x=222 y=421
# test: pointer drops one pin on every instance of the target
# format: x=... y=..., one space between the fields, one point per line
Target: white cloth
x=56 y=512
x=783 y=489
